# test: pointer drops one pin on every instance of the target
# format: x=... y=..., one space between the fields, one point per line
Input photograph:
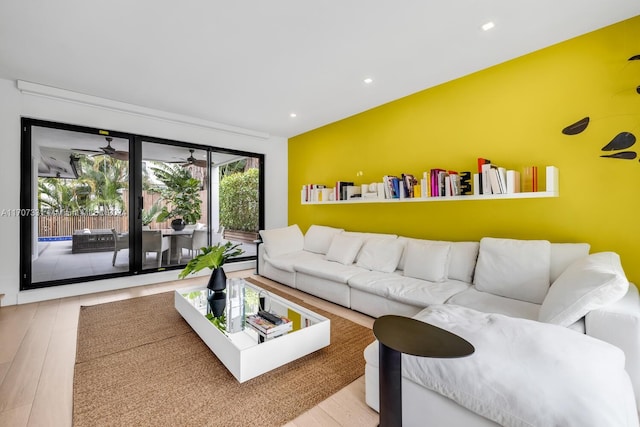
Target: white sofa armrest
x=619 y=324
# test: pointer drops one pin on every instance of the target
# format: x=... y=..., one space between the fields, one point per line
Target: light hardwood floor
x=37 y=355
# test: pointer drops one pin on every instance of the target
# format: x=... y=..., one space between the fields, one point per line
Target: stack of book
x=267 y=328
x=493 y=179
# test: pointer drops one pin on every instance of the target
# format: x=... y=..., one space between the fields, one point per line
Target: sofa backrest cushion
x=588 y=284
x=280 y=241
x=427 y=260
x=366 y=236
x=462 y=258
x=514 y=268
x=563 y=255
x=318 y=238
x=380 y=254
x=344 y=248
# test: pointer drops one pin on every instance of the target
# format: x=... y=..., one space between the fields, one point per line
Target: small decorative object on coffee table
x=397 y=335
x=213 y=257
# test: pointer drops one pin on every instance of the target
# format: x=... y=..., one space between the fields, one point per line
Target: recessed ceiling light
x=368 y=80
x=489 y=25
x=293 y=115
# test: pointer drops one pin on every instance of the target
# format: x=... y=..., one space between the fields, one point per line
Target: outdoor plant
x=181 y=193
x=211 y=257
x=239 y=197
x=149 y=215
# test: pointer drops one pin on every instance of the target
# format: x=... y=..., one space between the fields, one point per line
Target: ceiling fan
x=193 y=161
x=108 y=151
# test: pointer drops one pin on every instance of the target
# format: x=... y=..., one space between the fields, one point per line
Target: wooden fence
x=65 y=224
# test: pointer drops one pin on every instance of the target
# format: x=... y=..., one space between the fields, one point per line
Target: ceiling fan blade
x=634 y=58
x=120 y=155
x=82 y=151
x=620 y=142
x=577 y=127
x=626 y=155
x=200 y=163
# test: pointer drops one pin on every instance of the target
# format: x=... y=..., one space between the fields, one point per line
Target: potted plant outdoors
x=181 y=193
x=149 y=215
x=214 y=257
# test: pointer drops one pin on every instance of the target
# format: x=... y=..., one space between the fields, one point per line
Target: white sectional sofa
x=545 y=288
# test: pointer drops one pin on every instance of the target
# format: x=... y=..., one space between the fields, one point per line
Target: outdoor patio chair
x=120 y=241
x=154 y=241
x=192 y=243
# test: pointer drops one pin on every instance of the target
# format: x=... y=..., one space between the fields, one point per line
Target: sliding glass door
x=105 y=204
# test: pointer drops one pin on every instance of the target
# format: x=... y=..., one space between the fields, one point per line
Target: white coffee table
x=241 y=349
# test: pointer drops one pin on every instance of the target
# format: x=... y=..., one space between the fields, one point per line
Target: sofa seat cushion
x=329 y=270
x=489 y=303
x=407 y=290
x=287 y=262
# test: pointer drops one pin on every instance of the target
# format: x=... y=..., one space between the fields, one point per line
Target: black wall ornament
x=621 y=141
x=577 y=127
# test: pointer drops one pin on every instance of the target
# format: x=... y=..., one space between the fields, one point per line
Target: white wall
x=14 y=105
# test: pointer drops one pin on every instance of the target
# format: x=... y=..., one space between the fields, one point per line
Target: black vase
x=217 y=302
x=217 y=280
x=178 y=224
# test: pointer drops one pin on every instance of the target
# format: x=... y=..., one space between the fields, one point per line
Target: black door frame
x=135 y=199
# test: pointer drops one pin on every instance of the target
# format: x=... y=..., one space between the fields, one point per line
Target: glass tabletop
x=240 y=321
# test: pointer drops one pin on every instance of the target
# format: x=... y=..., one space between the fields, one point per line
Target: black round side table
x=397 y=335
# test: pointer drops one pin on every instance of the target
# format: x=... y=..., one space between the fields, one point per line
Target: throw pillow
x=279 y=241
x=588 y=284
x=318 y=238
x=513 y=268
x=344 y=248
x=379 y=254
x=427 y=260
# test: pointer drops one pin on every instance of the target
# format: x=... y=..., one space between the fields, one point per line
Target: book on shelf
x=481 y=182
x=341 y=189
x=513 y=182
x=529 y=179
x=267 y=328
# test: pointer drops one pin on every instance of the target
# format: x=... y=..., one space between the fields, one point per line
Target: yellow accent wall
x=513 y=114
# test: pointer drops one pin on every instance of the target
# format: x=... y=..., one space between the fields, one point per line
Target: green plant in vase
x=213 y=258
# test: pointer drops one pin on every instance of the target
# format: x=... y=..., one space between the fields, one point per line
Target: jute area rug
x=139 y=363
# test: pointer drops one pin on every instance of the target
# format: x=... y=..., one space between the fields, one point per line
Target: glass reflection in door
x=81 y=195
x=174 y=209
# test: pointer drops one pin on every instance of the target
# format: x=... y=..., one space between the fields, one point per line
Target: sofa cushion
x=588 y=284
x=278 y=241
x=318 y=238
x=427 y=260
x=514 y=268
x=563 y=255
x=380 y=254
x=490 y=303
x=462 y=258
x=344 y=248
x=408 y=290
x=366 y=236
x=288 y=261
x=329 y=270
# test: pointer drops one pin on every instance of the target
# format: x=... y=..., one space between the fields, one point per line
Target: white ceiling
x=250 y=63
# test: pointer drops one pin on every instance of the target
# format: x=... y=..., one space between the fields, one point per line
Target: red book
x=535 y=178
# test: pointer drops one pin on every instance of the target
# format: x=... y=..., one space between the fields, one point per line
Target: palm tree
x=106 y=178
x=57 y=195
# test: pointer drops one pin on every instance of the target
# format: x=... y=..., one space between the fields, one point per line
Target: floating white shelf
x=552 y=190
